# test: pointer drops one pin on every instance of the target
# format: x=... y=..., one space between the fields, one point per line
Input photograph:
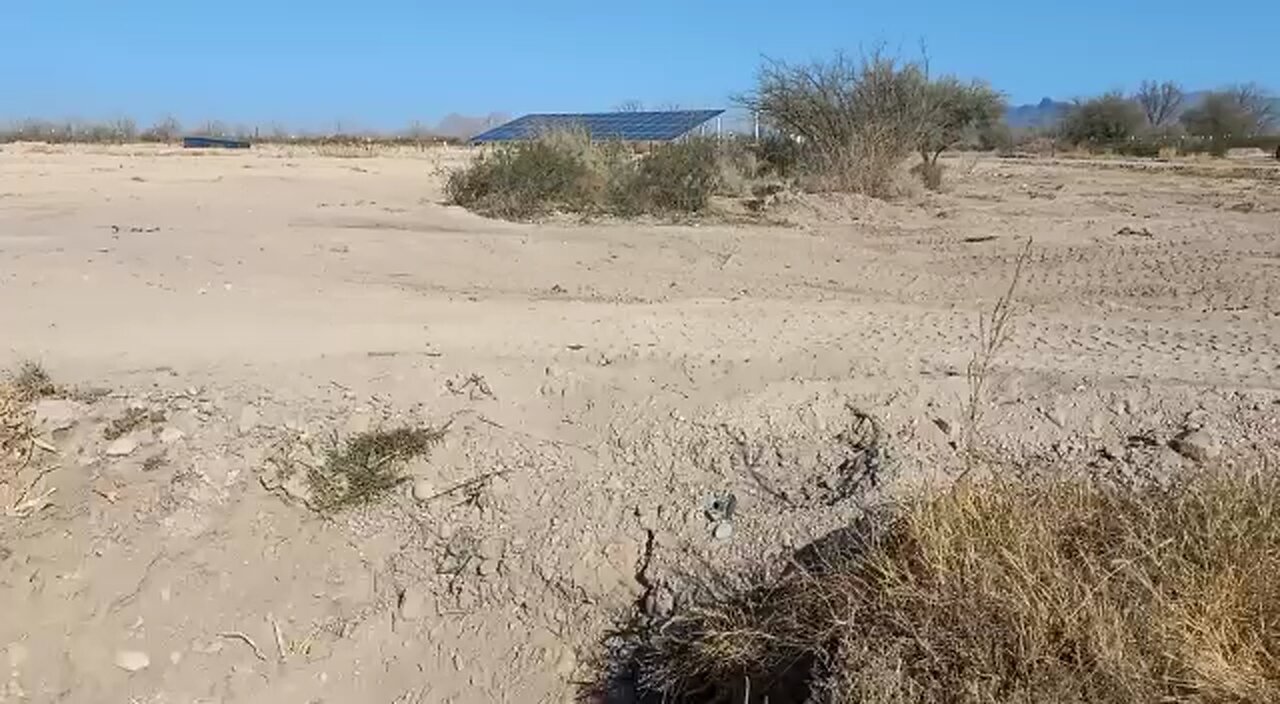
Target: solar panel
x=650 y=126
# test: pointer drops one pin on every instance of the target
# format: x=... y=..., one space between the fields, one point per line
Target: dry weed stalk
x=994 y=330
x=20 y=496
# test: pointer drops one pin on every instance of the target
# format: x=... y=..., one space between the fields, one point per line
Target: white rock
x=723 y=531
x=170 y=435
x=1197 y=445
x=413 y=602
x=132 y=660
x=423 y=490
x=248 y=419
x=18 y=655
x=122 y=447
x=56 y=414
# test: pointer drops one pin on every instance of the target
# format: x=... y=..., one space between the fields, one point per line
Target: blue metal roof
x=644 y=126
x=196 y=142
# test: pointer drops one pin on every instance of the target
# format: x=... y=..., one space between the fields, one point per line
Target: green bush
x=679 y=177
x=567 y=172
x=1108 y=119
x=1142 y=149
x=522 y=180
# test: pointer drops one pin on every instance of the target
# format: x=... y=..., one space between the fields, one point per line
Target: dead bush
x=855 y=122
x=1061 y=589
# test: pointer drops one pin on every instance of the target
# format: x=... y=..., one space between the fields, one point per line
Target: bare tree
x=1160 y=101
x=954 y=109
x=629 y=106
x=1256 y=103
x=1237 y=111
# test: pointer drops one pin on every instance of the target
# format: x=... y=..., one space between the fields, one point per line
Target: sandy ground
x=632 y=371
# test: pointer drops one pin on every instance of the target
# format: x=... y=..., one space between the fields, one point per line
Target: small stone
x=132 y=660
x=122 y=447
x=660 y=602
x=358 y=422
x=423 y=490
x=1197 y=445
x=723 y=530
x=248 y=420
x=487 y=568
x=171 y=435
x=413 y=602
x=52 y=414
x=18 y=655
x=567 y=663
x=175 y=657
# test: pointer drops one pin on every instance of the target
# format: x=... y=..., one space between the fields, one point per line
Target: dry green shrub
x=1061 y=589
x=677 y=177
x=523 y=180
x=364 y=467
x=131 y=420
x=565 y=171
x=31 y=382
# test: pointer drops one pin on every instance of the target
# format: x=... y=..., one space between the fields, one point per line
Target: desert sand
x=601 y=381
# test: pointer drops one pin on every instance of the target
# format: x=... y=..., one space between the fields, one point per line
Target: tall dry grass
x=1065 y=589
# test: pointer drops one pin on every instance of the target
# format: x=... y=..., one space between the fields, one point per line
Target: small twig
x=26 y=507
x=468 y=484
x=275 y=628
x=237 y=635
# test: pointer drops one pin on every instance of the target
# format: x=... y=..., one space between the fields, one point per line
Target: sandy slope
x=634 y=370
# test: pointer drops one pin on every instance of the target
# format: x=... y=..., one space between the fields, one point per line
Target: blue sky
x=386 y=63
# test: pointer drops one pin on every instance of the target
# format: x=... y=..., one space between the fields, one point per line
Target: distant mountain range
x=1042 y=114
x=1048 y=111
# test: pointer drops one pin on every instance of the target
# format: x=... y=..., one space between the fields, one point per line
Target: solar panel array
x=645 y=126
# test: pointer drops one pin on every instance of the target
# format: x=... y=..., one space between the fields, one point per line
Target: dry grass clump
x=565 y=171
x=31 y=382
x=1055 y=590
x=129 y=421
x=20 y=469
x=364 y=467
